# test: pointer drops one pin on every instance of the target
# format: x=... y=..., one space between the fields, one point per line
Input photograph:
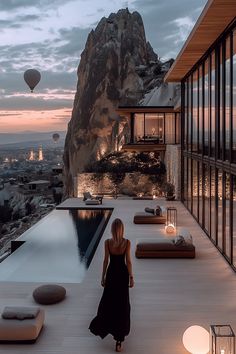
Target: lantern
x=222 y=339
x=171 y=220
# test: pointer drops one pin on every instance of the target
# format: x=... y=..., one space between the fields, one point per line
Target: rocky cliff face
x=116 y=68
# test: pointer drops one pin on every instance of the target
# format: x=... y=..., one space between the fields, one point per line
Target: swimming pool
x=59 y=248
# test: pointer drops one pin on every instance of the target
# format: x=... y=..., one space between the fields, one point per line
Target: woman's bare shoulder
x=107 y=241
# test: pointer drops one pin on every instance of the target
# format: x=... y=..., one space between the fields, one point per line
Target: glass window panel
x=177 y=128
x=227 y=217
x=195 y=113
x=169 y=128
x=213 y=204
x=154 y=127
x=234 y=219
x=138 y=127
x=206 y=106
x=185 y=114
x=227 y=99
x=195 y=188
x=234 y=98
x=220 y=209
x=200 y=193
x=220 y=135
x=189 y=183
x=185 y=179
x=200 y=110
x=206 y=189
x=189 y=114
x=213 y=110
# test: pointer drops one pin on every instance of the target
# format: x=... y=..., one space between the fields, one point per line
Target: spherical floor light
x=196 y=340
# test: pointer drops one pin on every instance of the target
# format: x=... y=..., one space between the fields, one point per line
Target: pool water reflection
x=59 y=248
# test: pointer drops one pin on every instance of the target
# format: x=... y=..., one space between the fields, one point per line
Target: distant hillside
x=30 y=138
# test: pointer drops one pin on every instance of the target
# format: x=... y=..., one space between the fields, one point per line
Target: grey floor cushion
x=49 y=294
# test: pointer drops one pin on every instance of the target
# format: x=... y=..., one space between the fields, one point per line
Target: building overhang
x=123 y=110
x=215 y=17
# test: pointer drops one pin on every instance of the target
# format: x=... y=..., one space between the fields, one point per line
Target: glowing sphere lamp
x=196 y=340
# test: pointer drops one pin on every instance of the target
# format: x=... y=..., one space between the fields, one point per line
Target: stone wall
x=132 y=184
x=173 y=167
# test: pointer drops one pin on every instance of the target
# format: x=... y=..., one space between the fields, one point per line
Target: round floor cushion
x=49 y=294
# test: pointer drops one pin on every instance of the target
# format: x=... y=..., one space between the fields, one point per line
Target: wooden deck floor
x=169 y=295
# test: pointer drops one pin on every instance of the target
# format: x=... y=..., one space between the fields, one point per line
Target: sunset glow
x=18 y=121
x=49 y=36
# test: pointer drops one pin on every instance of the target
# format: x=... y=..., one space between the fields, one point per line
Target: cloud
x=13 y=83
x=184 y=26
x=6 y=5
x=59 y=55
x=33 y=103
x=50 y=35
x=164 y=24
x=6 y=114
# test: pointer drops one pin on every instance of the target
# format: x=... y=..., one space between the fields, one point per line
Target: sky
x=49 y=35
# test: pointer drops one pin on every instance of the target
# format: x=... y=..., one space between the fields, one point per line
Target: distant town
x=31 y=186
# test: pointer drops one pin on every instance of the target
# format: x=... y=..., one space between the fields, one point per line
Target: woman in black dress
x=113 y=314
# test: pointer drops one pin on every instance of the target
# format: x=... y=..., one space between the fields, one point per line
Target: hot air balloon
x=55 y=137
x=32 y=78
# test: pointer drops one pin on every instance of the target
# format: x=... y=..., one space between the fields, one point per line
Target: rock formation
x=116 y=68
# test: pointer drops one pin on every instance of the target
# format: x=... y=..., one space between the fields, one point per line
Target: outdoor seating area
x=167 y=297
x=151 y=216
x=142 y=253
x=21 y=324
x=89 y=199
x=143 y=197
x=163 y=246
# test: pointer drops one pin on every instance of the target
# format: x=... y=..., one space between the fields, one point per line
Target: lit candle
x=222 y=351
x=170 y=228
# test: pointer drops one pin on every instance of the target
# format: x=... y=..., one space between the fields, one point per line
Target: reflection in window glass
x=213 y=204
x=200 y=192
x=185 y=115
x=220 y=154
x=195 y=113
x=209 y=184
x=206 y=107
x=213 y=110
x=227 y=99
x=206 y=188
x=189 y=183
x=227 y=217
x=234 y=219
x=185 y=179
x=189 y=114
x=220 y=209
x=200 y=111
x=234 y=98
x=195 y=188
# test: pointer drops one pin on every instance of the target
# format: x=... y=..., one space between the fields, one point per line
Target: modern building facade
x=206 y=68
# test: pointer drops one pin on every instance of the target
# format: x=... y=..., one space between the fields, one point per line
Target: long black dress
x=113 y=314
